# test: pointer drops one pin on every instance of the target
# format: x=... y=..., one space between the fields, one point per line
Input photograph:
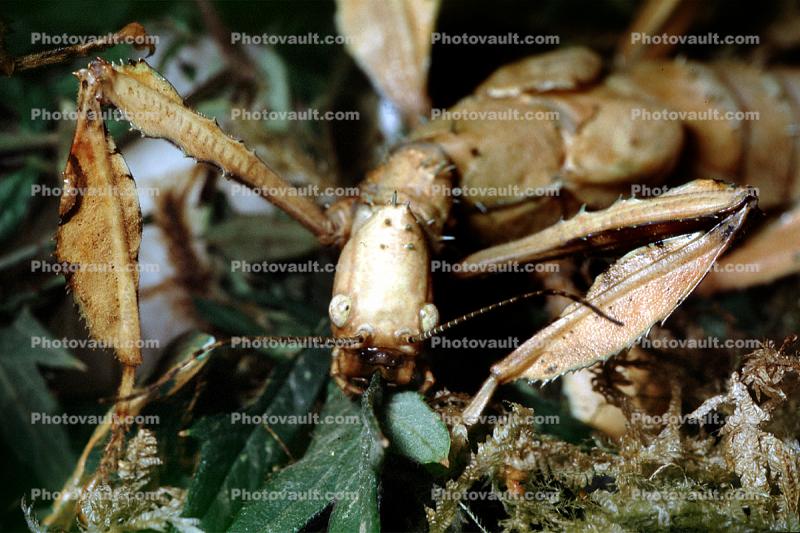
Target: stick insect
x=382 y=308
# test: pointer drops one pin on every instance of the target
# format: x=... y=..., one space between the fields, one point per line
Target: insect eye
x=429 y=316
x=339 y=309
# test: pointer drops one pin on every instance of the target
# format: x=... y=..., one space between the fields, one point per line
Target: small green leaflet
x=23 y=393
x=238 y=456
x=341 y=466
x=415 y=430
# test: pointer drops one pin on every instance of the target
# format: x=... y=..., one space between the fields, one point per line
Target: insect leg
x=769 y=254
x=640 y=289
x=153 y=107
x=626 y=223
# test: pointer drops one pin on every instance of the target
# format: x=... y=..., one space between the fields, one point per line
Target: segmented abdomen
x=742 y=121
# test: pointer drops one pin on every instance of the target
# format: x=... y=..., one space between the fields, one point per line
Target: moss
x=673 y=476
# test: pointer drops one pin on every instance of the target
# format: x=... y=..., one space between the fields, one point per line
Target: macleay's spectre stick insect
x=381 y=308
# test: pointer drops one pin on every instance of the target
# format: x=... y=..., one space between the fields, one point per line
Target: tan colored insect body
x=382 y=292
x=597 y=136
x=594 y=148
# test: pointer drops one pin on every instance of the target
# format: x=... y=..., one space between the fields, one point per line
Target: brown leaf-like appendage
x=100 y=231
x=640 y=289
x=391 y=41
x=156 y=109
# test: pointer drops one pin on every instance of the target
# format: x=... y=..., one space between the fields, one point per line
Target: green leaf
x=15 y=195
x=359 y=512
x=253 y=238
x=23 y=394
x=12 y=304
x=26 y=252
x=415 y=430
x=239 y=455
x=341 y=467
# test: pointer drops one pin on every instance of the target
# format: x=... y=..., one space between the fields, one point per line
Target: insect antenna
x=483 y=310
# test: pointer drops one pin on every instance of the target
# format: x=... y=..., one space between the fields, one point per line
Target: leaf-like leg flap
x=100 y=231
x=627 y=223
x=153 y=107
x=640 y=289
x=391 y=40
x=765 y=256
